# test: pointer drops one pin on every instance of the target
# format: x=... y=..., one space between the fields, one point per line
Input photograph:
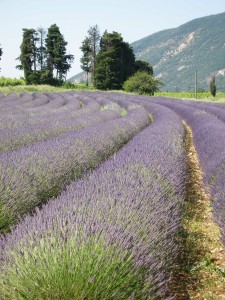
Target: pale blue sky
x=134 y=19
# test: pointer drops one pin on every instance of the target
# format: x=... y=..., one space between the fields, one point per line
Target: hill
x=176 y=53
x=79 y=78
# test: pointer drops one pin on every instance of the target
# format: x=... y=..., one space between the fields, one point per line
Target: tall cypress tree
x=41 y=49
x=115 y=62
x=28 y=54
x=57 y=59
x=94 y=39
x=212 y=85
x=86 y=58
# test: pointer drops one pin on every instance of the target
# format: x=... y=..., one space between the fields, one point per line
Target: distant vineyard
x=92 y=192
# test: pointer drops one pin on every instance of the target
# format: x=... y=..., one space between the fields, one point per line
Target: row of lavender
x=33 y=174
x=111 y=234
x=16 y=138
x=207 y=121
x=48 y=115
x=25 y=130
x=27 y=109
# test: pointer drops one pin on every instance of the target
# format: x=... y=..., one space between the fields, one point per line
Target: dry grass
x=201 y=275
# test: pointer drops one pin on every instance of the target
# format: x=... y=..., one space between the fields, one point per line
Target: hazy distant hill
x=176 y=53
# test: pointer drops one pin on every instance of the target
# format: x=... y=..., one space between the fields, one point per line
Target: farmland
x=100 y=194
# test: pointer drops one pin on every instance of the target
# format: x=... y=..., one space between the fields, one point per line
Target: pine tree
x=86 y=58
x=115 y=62
x=41 y=49
x=94 y=39
x=28 y=54
x=57 y=59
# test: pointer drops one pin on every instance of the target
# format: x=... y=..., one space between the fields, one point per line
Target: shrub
x=142 y=83
x=5 y=81
x=70 y=85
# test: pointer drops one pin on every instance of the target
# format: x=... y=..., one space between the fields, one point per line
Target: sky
x=133 y=19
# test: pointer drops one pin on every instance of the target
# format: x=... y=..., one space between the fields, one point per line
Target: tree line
x=107 y=60
x=111 y=62
x=43 y=56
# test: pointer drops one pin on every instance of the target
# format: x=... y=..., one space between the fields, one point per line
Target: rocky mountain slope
x=177 y=53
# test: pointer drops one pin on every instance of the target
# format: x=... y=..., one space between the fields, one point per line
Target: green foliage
x=70 y=85
x=94 y=39
x=62 y=270
x=86 y=58
x=41 y=49
x=140 y=65
x=115 y=62
x=123 y=112
x=28 y=54
x=206 y=96
x=212 y=85
x=39 y=61
x=142 y=83
x=4 y=81
x=56 y=53
x=43 y=88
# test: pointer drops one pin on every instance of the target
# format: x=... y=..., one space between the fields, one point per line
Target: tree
x=94 y=39
x=86 y=58
x=142 y=83
x=41 y=49
x=1 y=52
x=141 y=65
x=115 y=62
x=28 y=54
x=56 y=56
x=212 y=85
x=41 y=56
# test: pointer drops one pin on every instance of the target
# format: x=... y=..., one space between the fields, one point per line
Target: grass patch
x=41 y=88
x=123 y=112
x=203 y=96
x=202 y=256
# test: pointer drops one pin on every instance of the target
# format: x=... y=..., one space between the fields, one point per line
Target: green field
x=206 y=96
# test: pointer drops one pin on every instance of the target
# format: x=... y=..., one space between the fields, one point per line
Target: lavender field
x=93 y=187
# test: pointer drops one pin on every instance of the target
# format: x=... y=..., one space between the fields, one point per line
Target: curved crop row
x=15 y=138
x=209 y=138
x=14 y=114
x=110 y=235
x=216 y=109
x=33 y=174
